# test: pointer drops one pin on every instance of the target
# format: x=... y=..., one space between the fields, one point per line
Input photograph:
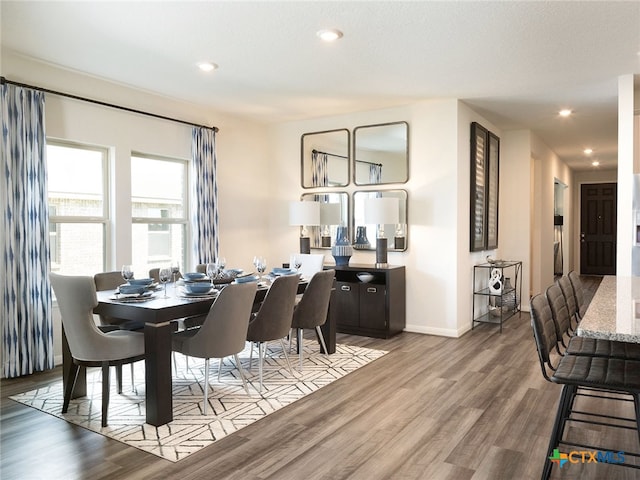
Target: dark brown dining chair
x=581 y=301
x=273 y=320
x=223 y=332
x=90 y=347
x=311 y=311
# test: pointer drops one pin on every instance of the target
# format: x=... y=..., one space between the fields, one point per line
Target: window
x=159 y=211
x=78 y=213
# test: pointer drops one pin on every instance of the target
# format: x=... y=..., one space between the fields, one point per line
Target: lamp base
x=326 y=241
x=381 y=251
x=305 y=245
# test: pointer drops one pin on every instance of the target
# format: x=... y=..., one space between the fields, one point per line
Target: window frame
x=103 y=219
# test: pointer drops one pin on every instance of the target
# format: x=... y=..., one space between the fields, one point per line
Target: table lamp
x=381 y=211
x=330 y=214
x=304 y=214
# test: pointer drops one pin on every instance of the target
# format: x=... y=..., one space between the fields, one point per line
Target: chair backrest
x=273 y=320
x=76 y=297
x=108 y=280
x=569 y=296
x=311 y=310
x=559 y=311
x=310 y=263
x=544 y=331
x=224 y=331
x=578 y=290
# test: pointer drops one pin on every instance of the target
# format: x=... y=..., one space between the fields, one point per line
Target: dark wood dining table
x=159 y=315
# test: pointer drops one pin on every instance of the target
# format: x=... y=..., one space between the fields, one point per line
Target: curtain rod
x=3 y=80
x=342 y=156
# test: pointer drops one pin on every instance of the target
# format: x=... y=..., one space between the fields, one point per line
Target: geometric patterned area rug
x=229 y=410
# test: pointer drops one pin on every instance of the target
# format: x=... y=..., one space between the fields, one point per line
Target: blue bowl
x=282 y=271
x=144 y=282
x=193 y=276
x=198 y=288
x=132 y=289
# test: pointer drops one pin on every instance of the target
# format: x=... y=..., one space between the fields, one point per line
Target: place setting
x=136 y=289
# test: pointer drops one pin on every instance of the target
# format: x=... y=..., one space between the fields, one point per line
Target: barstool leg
x=564 y=407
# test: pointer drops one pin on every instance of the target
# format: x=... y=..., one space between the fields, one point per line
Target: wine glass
x=175 y=270
x=212 y=269
x=261 y=265
x=127 y=272
x=164 y=275
x=296 y=263
x=222 y=262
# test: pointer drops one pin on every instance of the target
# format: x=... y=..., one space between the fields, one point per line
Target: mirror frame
x=315 y=232
x=355 y=154
x=304 y=155
x=371 y=229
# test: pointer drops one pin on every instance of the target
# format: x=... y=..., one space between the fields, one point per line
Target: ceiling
x=517 y=63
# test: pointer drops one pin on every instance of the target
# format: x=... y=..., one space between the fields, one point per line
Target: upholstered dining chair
x=223 y=332
x=581 y=301
x=111 y=281
x=76 y=297
x=311 y=311
x=310 y=263
x=273 y=320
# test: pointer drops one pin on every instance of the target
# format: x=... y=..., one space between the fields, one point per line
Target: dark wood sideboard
x=373 y=309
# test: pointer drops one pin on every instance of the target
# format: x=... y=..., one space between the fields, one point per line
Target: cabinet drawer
x=346 y=298
x=373 y=306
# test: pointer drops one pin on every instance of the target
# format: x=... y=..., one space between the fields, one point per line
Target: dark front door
x=598 y=216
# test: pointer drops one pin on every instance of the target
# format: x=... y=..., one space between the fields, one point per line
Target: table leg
x=159 y=399
x=80 y=388
x=329 y=328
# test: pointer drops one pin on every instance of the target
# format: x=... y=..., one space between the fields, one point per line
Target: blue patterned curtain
x=27 y=333
x=204 y=195
x=319 y=169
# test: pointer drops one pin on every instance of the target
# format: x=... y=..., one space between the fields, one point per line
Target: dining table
x=160 y=315
x=614 y=310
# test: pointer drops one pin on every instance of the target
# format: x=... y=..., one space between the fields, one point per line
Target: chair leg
x=105 y=391
x=206 y=386
x=261 y=353
x=300 y=346
x=286 y=356
x=219 y=369
x=251 y=345
x=564 y=407
x=119 y=378
x=71 y=382
x=322 y=343
x=636 y=404
x=239 y=365
x=133 y=383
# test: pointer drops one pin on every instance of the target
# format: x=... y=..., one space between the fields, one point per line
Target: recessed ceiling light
x=565 y=112
x=588 y=151
x=595 y=163
x=207 y=66
x=329 y=35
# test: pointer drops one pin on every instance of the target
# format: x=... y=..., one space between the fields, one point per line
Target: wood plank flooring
x=476 y=407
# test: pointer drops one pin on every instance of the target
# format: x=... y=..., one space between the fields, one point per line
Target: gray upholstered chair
x=273 y=320
x=111 y=281
x=310 y=263
x=311 y=311
x=581 y=302
x=223 y=332
x=76 y=297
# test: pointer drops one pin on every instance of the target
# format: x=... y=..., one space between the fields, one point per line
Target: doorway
x=598 y=220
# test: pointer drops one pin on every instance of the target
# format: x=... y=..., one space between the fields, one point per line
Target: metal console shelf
x=499 y=305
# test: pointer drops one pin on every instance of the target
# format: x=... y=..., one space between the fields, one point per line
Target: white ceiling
x=515 y=62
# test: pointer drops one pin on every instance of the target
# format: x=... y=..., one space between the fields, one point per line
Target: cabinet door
x=372 y=306
x=346 y=300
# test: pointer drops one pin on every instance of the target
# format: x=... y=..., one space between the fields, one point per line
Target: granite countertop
x=614 y=311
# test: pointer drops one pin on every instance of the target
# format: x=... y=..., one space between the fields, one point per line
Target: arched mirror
x=334 y=211
x=325 y=158
x=394 y=228
x=381 y=153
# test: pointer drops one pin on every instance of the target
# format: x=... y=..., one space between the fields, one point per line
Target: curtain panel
x=204 y=195
x=27 y=326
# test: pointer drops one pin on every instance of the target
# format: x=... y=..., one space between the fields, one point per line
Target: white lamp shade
x=304 y=213
x=381 y=210
x=330 y=214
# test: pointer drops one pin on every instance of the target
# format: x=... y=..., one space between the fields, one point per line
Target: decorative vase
x=495 y=281
x=361 y=243
x=509 y=300
x=342 y=249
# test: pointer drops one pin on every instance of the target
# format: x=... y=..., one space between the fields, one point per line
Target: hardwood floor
x=476 y=407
